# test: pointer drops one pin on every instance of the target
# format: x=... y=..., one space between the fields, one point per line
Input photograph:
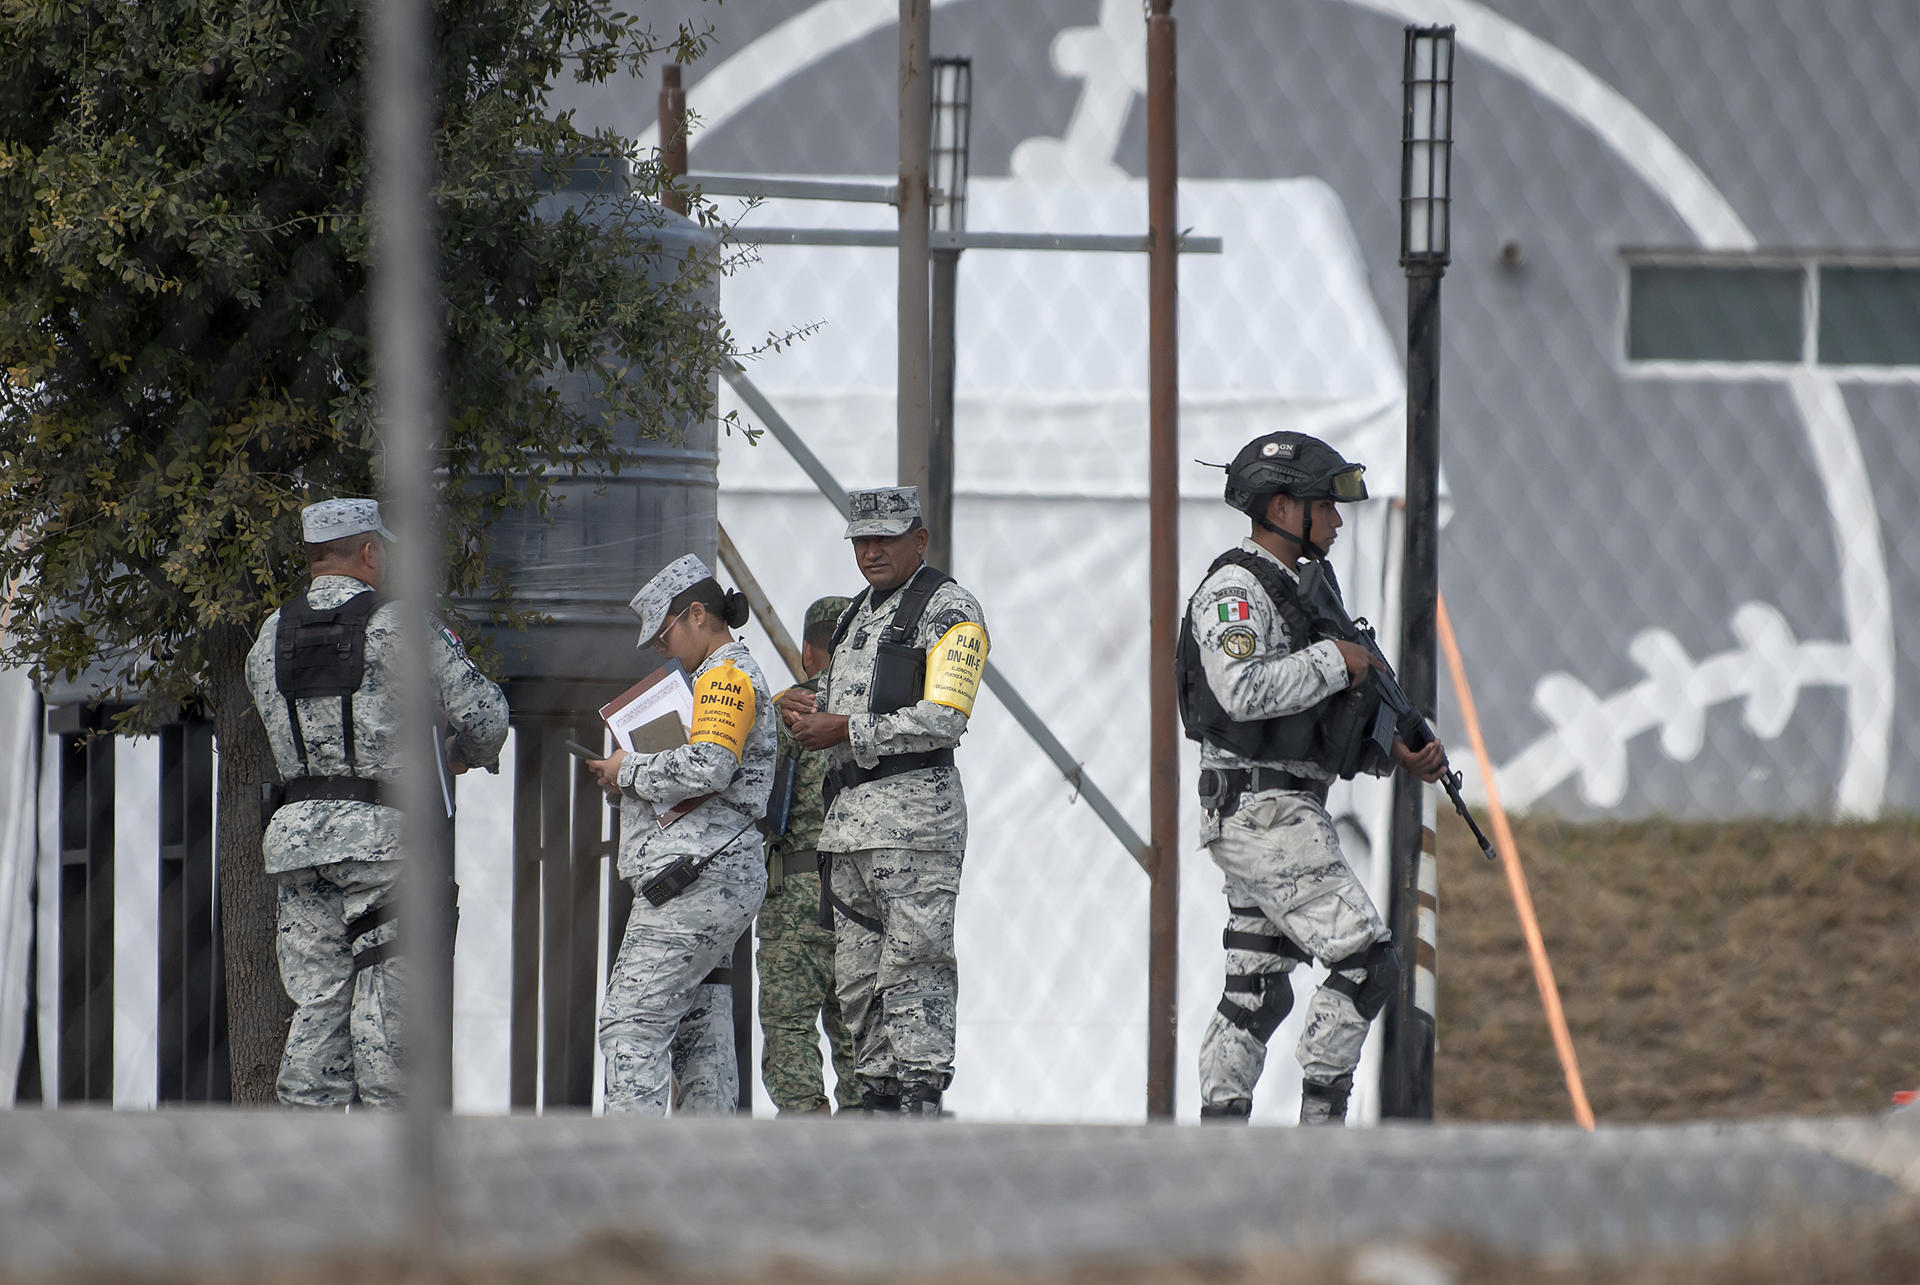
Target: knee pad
x=1325 y=1103
x=1275 y=992
x=1371 y=993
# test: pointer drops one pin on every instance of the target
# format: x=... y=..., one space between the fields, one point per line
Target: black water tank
x=608 y=532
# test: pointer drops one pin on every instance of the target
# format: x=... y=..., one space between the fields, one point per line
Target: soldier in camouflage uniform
x=335 y=844
x=668 y=1008
x=1256 y=691
x=908 y=658
x=797 y=993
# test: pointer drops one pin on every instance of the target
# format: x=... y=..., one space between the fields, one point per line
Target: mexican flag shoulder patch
x=1237 y=609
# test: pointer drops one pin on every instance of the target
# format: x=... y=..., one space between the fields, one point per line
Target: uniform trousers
x=656 y=984
x=344 y=1043
x=1280 y=854
x=899 y=986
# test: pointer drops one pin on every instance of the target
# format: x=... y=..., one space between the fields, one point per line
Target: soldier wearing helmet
x=1258 y=690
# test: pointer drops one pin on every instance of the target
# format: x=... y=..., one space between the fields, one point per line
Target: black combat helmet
x=1291 y=464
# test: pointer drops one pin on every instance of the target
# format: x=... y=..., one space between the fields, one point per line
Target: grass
x=1708 y=970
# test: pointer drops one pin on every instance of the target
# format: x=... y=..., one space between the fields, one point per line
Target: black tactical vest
x=900 y=663
x=1287 y=738
x=321 y=652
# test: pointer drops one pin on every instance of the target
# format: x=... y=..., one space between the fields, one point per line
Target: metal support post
x=936 y=502
x=1163 y=435
x=1407 y=1064
x=916 y=114
x=673 y=135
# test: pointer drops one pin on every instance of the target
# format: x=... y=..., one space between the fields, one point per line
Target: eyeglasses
x=660 y=634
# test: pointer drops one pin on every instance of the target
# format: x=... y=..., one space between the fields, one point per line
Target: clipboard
x=651 y=717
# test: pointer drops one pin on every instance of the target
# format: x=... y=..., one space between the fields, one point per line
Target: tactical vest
x=1287 y=738
x=321 y=652
x=900 y=663
x=899 y=679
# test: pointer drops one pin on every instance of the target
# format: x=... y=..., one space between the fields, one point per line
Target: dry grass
x=1708 y=970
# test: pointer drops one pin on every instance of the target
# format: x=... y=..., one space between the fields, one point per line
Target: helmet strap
x=1308 y=548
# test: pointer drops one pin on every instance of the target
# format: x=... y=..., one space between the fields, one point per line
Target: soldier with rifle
x=1282 y=706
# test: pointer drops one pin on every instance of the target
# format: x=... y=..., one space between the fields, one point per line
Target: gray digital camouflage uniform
x=667 y=950
x=897 y=845
x=336 y=858
x=797 y=995
x=1278 y=850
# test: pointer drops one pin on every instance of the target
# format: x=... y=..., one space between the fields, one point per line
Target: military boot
x=1325 y=1103
x=873 y=1103
x=920 y=1102
x=1232 y=1111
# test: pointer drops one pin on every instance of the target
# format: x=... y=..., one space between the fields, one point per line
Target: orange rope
x=1516 y=878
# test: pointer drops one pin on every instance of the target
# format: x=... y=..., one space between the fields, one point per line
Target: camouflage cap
x=825 y=611
x=885 y=511
x=656 y=597
x=337 y=519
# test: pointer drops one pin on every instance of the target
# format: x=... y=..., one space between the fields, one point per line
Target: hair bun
x=735 y=609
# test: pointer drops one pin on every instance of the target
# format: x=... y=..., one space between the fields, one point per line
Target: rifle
x=1320 y=591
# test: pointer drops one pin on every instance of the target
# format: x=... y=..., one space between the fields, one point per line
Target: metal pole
x=406 y=366
x=673 y=134
x=936 y=502
x=1406 y=1088
x=916 y=116
x=673 y=158
x=1163 y=527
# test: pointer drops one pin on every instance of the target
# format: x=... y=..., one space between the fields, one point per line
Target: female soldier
x=697 y=872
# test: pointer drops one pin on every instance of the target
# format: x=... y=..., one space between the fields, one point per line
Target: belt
x=340 y=789
x=800 y=861
x=1221 y=788
x=851 y=774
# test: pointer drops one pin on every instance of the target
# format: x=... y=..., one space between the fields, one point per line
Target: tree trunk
x=258 y=1010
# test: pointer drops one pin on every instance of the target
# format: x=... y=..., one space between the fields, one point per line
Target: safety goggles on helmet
x=1349 y=484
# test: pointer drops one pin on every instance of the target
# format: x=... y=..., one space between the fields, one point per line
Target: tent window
x=1869 y=316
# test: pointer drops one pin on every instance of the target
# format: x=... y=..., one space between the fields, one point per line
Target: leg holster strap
x=830 y=902
x=1265 y=945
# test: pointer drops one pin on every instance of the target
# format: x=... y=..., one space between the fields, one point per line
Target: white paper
x=673 y=694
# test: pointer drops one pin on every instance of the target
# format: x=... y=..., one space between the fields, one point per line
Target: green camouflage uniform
x=795 y=958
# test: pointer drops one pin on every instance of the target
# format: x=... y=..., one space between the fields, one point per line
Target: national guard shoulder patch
x=1238 y=642
x=940 y=625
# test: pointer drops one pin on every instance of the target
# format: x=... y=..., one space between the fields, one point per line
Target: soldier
x=324 y=676
x=796 y=946
x=698 y=878
x=1259 y=693
x=907 y=660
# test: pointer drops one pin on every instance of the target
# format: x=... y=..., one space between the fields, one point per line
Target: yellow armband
x=723 y=708
x=955 y=666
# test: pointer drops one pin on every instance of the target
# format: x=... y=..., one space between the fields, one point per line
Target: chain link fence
x=1680 y=369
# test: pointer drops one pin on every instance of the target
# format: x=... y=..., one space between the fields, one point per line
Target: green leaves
x=184 y=277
